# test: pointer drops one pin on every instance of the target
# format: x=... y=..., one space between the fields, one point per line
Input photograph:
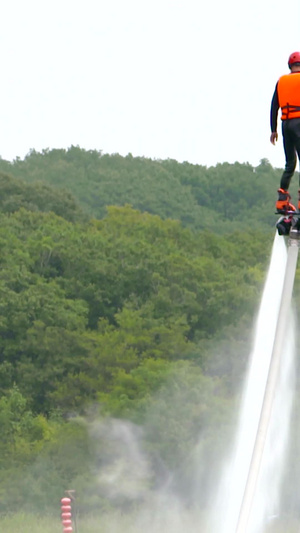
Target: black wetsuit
x=291 y=141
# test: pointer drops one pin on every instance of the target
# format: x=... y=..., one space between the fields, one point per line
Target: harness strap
x=289 y=108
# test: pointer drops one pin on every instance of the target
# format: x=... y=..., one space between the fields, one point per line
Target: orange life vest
x=288 y=90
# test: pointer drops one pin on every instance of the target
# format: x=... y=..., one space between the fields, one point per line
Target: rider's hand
x=274 y=137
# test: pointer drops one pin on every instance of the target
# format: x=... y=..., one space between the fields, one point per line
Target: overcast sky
x=190 y=80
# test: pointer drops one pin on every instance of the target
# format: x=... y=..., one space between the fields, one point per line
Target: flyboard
x=287 y=221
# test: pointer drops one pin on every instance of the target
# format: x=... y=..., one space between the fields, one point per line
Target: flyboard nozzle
x=294 y=237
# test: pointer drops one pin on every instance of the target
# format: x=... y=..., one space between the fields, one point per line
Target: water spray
x=279 y=340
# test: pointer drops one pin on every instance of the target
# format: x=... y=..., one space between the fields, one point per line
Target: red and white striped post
x=66 y=515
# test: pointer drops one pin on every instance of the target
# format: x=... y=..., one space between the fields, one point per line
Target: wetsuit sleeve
x=274 y=110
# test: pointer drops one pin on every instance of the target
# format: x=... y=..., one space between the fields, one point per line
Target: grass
x=30 y=523
x=108 y=523
x=26 y=523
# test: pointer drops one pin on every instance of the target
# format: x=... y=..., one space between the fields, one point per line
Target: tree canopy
x=219 y=198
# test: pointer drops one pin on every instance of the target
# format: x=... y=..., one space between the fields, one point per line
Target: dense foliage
x=113 y=310
x=82 y=303
x=219 y=198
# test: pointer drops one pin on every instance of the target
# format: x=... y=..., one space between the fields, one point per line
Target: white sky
x=190 y=80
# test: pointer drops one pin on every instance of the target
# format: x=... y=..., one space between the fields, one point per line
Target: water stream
x=266 y=503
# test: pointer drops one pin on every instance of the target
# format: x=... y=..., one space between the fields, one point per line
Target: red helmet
x=294 y=58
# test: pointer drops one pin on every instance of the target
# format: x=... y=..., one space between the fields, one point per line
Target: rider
x=287 y=97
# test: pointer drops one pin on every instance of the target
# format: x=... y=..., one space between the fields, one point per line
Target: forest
x=129 y=290
x=226 y=197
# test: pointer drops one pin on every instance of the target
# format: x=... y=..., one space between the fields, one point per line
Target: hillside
x=222 y=198
x=38 y=196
